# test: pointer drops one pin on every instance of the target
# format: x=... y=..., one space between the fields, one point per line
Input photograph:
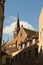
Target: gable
x=21 y=36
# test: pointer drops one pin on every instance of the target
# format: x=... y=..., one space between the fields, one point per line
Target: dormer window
x=23 y=45
x=33 y=41
x=28 y=43
x=19 y=47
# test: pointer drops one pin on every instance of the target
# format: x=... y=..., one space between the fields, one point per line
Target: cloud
x=9 y=29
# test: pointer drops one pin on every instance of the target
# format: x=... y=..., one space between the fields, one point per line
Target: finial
x=18 y=14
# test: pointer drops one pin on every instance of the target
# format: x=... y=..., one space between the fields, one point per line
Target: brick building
x=22 y=38
x=25 y=45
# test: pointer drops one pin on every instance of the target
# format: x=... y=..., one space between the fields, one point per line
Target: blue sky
x=29 y=10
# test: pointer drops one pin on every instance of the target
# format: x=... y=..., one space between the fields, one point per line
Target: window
x=28 y=43
x=33 y=41
x=19 y=47
x=23 y=45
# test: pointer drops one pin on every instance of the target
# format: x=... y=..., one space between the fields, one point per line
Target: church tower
x=41 y=30
x=17 y=27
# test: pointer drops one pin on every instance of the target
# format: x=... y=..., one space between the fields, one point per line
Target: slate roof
x=31 y=33
x=9 y=42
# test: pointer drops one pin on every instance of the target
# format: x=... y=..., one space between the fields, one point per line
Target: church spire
x=17 y=27
x=18 y=24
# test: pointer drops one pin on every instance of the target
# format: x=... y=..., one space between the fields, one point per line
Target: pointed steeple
x=17 y=26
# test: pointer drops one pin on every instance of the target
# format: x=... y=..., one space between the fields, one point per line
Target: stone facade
x=41 y=30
